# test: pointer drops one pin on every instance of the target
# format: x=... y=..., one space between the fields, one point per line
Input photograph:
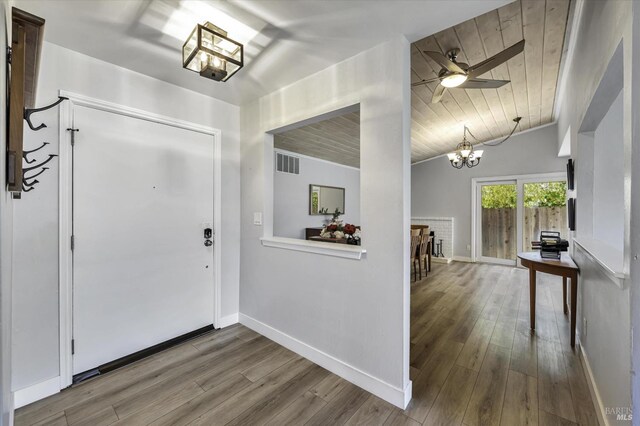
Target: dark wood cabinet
x=312 y=232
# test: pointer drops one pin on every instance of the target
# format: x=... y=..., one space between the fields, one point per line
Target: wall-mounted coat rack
x=29 y=181
x=23 y=59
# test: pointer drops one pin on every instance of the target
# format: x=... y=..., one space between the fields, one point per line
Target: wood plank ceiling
x=336 y=139
x=437 y=128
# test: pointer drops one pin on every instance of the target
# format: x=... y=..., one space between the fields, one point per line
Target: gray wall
x=439 y=190
x=6 y=239
x=353 y=310
x=35 y=296
x=291 y=196
x=608 y=179
x=602 y=26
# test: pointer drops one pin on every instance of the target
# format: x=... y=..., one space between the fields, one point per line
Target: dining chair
x=423 y=254
x=414 y=251
x=427 y=231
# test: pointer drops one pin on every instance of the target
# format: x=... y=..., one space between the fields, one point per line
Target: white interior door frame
x=66 y=210
x=519 y=180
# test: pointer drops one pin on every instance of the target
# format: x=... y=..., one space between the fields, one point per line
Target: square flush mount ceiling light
x=211 y=53
x=200 y=43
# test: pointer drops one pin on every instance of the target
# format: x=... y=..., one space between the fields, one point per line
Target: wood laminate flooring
x=473 y=362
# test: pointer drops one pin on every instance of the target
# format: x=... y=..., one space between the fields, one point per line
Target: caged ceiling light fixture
x=211 y=53
x=466 y=155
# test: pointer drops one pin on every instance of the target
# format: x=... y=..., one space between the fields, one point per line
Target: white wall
x=635 y=210
x=35 y=299
x=355 y=311
x=439 y=190
x=601 y=28
x=291 y=195
x=6 y=239
x=608 y=179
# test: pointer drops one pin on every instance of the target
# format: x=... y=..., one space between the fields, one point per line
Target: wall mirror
x=325 y=200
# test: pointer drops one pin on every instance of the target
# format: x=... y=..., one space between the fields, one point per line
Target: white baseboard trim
x=36 y=392
x=396 y=396
x=228 y=320
x=462 y=259
x=593 y=389
x=441 y=260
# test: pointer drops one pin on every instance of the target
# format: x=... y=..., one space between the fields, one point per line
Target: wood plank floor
x=473 y=362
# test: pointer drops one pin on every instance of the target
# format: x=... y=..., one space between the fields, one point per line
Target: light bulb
x=217 y=62
x=453 y=80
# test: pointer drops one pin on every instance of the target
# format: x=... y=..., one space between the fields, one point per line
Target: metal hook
x=25 y=178
x=30 y=185
x=27 y=169
x=29 y=111
x=25 y=189
x=25 y=153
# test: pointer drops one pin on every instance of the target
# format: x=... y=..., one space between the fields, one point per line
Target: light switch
x=257 y=218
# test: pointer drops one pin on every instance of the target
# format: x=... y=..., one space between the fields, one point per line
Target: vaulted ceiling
x=437 y=128
x=336 y=139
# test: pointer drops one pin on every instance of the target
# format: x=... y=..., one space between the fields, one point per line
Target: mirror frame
x=311 y=185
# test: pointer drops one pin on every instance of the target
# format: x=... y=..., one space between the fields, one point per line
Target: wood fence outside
x=499 y=229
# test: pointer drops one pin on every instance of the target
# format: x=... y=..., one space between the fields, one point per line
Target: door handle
x=208 y=243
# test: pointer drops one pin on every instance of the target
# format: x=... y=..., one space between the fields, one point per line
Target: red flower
x=332 y=228
x=349 y=229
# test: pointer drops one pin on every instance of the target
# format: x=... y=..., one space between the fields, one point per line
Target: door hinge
x=73 y=242
x=73 y=346
x=9 y=51
x=73 y=135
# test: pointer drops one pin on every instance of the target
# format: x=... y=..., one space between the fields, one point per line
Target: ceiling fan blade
x=480 y=83
x=431 y=80
x=445 y=62
x=495 y=60
x=438 y=93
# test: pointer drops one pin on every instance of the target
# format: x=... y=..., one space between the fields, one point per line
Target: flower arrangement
x=336 y=229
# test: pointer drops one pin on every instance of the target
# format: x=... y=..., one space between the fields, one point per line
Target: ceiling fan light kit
x=456 y=74
x=209 y=52
x=453 y=80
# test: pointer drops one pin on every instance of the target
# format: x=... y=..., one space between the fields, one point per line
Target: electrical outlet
x=257 y=218
x=468 y=247
x=584 y=327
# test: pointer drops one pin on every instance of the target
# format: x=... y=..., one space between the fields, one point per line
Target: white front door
x=142 y=196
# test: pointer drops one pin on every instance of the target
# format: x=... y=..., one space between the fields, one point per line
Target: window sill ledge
x=326 y=249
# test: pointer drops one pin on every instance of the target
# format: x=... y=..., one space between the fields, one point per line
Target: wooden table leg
x=574 y=307
x=564 y=295
x=532 y=297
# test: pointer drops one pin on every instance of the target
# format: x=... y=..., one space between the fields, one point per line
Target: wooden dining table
x=564 y=267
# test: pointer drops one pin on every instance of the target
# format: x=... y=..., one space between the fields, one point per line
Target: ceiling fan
x=460 y=75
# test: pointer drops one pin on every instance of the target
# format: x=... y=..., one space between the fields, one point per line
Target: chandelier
x=211 y=53
x=465 y=155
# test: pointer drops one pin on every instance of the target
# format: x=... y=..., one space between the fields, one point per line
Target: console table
x=564 y=267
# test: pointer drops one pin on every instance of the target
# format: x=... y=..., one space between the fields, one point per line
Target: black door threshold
x=136 y=356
